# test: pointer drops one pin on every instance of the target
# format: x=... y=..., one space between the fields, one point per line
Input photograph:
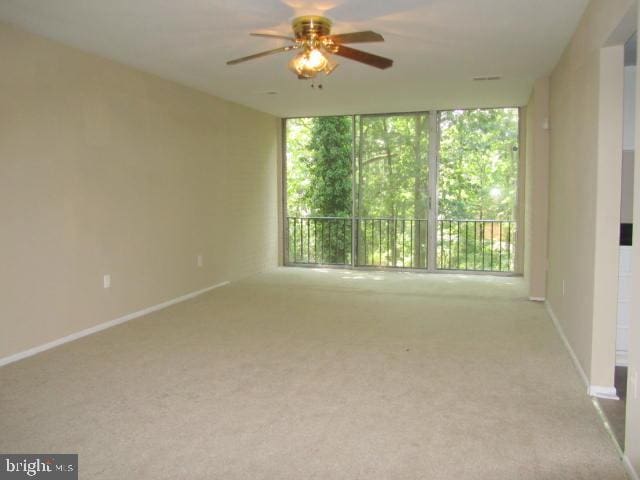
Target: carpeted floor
x=315 y=374
x=615 y=410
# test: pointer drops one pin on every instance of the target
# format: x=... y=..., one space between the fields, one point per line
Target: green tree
x=478 y=167
x=392 y=184
x=319 y=157
x=477 y=180
x=329 y=166
x=298 y=134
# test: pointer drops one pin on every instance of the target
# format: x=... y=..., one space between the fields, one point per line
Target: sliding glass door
x=319 y=196
x=428 y=190
x=392 y=199
x=477 y=189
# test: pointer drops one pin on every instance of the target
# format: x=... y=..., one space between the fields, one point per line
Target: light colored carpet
x=309 y=374
x=615 y=410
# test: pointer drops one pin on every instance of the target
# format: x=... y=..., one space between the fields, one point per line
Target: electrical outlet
x=200 y=261
x=106 y=281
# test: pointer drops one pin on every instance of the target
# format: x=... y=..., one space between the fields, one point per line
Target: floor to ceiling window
x=392 y=194
x=477 y=189
x=319 y=190
x=428 y=190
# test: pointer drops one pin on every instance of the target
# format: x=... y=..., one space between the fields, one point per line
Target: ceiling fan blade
x=363 y=57
x=261 y=54
x=269 y=35
x=356 y=37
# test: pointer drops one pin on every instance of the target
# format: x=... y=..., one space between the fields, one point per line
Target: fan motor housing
x=311 y=26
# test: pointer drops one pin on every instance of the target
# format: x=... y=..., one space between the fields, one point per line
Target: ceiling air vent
x=485 y=79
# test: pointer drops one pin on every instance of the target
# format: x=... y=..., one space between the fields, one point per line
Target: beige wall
x=574 y=164
x=585 y=188
x=537 y=189
x=520 y=194
x=632 y=432
x=104 y=169
x=607 y=215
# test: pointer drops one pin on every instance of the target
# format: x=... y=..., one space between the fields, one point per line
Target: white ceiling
x=438 y=47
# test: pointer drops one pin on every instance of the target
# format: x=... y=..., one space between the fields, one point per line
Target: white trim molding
x=608 y=393
x=103 y=326
x=537 y=299
x=597 y=391
x=567 y=345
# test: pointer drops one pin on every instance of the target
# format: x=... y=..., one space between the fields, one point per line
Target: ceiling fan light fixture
x=331 y=66
x=309 y=63
x=313 y=39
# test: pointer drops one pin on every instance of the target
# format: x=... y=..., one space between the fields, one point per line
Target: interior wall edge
x=628 y=466
x=537 y=188
x=574 y=115
x=576 y=362
x=104 y=326
x=632 y=431
x=598 y=391
x=608 y=194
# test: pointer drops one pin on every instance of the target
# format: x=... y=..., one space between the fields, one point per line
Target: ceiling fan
x=312 y=37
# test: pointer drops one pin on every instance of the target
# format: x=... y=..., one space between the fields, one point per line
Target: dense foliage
x=329 y=193
x=478 y=164
x=319 y=157
x=393 y=166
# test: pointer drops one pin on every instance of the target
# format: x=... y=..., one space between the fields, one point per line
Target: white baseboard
x=537 y=299
x=629 y=468
x=598 y=391
x=622 y=358
x=567 y=345
x=608 y=393
x=103 y=326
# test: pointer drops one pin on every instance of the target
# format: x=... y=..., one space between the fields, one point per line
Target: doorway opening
x=615 y=410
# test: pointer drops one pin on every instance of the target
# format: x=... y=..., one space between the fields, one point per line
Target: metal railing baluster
x=491 y=249
x=364 y=241
x=458 y=246
x=466 y=245
x=411 y=237
x=295 y=242
x=380 y=242
x=403 y=230
x=344 y=245
x=373 y=242
x=500 y=246
x=509 y=246
x=417 y=250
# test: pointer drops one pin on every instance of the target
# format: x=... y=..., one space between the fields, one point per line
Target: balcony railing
x=392 y=242
x=320 y=240
x=471 y=245
x=476 y=245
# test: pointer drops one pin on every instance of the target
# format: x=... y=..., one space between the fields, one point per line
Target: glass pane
x=318 y=186
x=392 y=190
x=477 y=189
